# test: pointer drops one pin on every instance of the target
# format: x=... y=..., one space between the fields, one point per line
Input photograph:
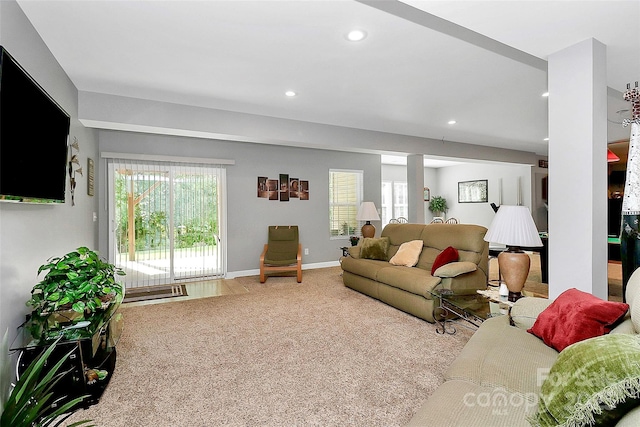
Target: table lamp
x=513 y=226
x=368 y=212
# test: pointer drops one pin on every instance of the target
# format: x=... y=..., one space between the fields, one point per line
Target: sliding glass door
x=167 y=221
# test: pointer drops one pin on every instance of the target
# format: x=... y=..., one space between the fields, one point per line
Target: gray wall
x=31 y=234
x=248 y=215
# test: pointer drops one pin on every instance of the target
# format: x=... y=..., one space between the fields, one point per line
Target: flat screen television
x=34 y=133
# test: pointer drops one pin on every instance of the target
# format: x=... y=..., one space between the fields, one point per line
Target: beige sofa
x=496 y=379
x=407 y=288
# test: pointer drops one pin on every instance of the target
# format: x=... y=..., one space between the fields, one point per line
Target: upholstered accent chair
x=282 y=253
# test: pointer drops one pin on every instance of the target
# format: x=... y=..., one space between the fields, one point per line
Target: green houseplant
x=30 y=404
x=76 y=284
x=438 y=205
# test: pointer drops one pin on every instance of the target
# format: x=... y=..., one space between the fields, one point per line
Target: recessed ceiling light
x=290 y=93
x=545 y=94
x=452 y=122
x=356 y=35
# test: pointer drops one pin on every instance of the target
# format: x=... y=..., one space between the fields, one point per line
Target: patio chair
x=282 y=253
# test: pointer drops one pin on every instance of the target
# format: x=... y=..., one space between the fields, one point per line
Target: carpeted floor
x=282 y=354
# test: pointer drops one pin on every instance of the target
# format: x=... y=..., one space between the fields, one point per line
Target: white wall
x=31 y=234
x=482 y=213
x=444 y=182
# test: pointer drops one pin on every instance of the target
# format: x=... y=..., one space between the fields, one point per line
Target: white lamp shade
x=367 y=212
x=513 y=226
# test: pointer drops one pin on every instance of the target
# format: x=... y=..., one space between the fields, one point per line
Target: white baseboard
x=256 y=272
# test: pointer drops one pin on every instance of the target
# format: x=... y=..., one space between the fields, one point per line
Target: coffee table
x=473 y=309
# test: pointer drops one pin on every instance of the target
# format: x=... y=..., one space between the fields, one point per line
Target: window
x=345 y=196
x=394 y=201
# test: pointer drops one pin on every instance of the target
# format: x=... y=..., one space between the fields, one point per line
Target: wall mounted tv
x=34 y=133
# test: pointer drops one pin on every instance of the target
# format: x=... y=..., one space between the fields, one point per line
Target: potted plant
x=438 y=205
x=354 y=240
x=30 y=403
x=76 y=284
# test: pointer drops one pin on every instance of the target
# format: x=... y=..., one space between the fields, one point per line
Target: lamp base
x=368 y=230
x=514 y=265
x=514 y=296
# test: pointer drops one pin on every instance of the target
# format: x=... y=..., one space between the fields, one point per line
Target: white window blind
x=345 y=196
x=167 y=220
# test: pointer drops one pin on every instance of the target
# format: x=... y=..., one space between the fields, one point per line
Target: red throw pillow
x=448 y=255
x=575 y=316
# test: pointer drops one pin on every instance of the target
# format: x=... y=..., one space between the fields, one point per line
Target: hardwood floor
x=201 y=289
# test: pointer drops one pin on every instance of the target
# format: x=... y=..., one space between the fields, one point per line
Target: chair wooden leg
x=262 y=275
x=299 y=269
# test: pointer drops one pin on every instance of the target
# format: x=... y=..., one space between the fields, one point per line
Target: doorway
x=167 y=221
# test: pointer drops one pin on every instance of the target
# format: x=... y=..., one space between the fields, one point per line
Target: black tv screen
x=34 y=132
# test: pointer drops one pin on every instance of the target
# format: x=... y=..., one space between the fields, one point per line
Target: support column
x=415 y=187
x=578 y=169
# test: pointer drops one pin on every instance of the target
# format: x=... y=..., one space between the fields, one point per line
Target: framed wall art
x=473 y=191
x=284 y=188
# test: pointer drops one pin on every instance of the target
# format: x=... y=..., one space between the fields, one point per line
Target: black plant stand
x=92 y=348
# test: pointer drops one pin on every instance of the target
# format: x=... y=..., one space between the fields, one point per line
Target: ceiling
x=422 y=64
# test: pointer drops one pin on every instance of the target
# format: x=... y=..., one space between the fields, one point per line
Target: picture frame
x=284 y=187
x=427 y=194
x=90 y=176
x=272 y=189
x=294 y=184
x=476 y=191
x=262 y=187
x=304 y=190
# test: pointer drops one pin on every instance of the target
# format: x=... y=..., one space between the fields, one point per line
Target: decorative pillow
x=373 y=248
x=454 y=269
x=575 y=316
x=448 y=255
x=408 y=253
x=593 y=382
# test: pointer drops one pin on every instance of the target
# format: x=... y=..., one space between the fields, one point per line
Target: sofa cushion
x=575 y=316
x=454 y=269
x=408 y=254
x=460 y=403
x=413 y=280
x=375 y=248
x=449 y=254
x=368 y=268
x=595 y=381
x=502 y=356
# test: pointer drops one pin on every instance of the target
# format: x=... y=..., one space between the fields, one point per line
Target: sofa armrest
x=525 y=311
x=354 y=251
x=454 y=269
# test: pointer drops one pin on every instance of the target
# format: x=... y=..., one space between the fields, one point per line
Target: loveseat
x=408 y=288
x=504 y=372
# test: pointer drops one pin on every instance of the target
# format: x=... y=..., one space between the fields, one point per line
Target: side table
x=473 y=309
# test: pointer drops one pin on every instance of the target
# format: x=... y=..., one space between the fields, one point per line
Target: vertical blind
x=167 y=220
x=345 y=196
